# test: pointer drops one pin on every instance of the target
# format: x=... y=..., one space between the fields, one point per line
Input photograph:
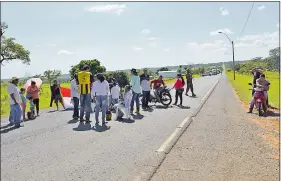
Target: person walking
x=99 y=93
x=15 y=101
x=179 y=86
x=136 y=89
x=189 y=83
x=84 y=81
x=34 y=91
x=75 y=97
x=145 y=85
x=52 y=87
x=58 y=96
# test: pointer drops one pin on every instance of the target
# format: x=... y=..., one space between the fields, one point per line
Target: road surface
x=52 y=147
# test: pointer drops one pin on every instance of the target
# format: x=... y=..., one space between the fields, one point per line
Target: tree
x=11 y=50
x=51 y=75
x=122 y=78
x=95 y=67
x=162 y=69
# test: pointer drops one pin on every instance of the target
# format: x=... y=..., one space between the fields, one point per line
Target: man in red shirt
x=156 y=85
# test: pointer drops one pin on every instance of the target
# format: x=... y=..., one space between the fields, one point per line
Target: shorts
x=58 y=98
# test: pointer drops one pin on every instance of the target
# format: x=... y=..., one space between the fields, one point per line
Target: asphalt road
x=54 y=148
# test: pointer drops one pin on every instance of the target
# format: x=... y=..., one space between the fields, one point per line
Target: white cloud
x=137 y=48
x=167 y=49
x=262 y=7
x=151 y=38
x=65 y=52
x=224 y=11
x=145 y=31
x=225 y=30
x=153 y=44
x=108 y=8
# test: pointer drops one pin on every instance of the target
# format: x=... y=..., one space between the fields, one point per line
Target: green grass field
x=45 y=95
x=242 y=88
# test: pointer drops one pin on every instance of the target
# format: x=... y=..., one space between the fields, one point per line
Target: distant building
x=168 y=74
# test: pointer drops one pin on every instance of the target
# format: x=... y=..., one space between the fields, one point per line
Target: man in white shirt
x=115 y=92
x=145 y=85
x=75 y=97
x=15 y=100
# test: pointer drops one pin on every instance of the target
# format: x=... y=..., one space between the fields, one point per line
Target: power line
x=247 y=19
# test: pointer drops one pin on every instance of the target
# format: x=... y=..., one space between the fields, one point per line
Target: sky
x=124 y=35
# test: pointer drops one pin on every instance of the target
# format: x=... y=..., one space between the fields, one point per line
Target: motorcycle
x=259 y=100
x=165 y=97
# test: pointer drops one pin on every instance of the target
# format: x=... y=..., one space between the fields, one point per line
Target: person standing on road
x=75 y=97
x=23 y=103
x=110 y=81
x=34 y=91
x=99 y=93
x=84 y=81
x=136 y=89
x=144 y=79
x=189 y=83
x=179 y=86
x=15 y=101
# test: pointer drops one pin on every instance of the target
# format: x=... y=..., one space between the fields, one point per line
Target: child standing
x=115 y=92
x=127 y=100
x=23 y=103
x=31 y=114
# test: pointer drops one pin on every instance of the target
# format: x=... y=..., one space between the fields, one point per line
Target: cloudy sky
x=137 y=34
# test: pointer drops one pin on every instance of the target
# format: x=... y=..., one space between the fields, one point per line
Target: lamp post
x=232 y=53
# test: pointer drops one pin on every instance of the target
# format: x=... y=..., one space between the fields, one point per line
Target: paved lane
x=51 y=148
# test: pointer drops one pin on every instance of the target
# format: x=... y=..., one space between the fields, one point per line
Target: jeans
x=85 y=102
x=115 y=101
x=36 y=103
x=15 y=114
x=189 y=86
x=179 y=93
x=145 y=98
x=156 y=94
x=136 y=97
x=101 y=101
x=76 y=107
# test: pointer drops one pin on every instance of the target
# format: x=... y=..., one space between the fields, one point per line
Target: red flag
x=65 y=92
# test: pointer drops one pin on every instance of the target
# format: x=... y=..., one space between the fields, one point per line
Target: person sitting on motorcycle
x=262 y=85
x=156 y=86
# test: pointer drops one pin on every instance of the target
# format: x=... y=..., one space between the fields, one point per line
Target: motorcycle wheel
x=259 y=106
x=166 y=99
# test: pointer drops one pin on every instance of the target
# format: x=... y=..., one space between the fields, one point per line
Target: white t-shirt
x=74 y=89
x=100 y=88
x=115 y=92
x=13 y=89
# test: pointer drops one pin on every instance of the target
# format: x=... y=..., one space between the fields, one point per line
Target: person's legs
x=133 y=102
x=17 y=115
x=82 y=106
x=51 y=103
x=103 y=107
x=11 y=117
x=88 y=106
x=23 y=111
x=180 y=95
x=191 y=88
x=61 y=101
x=76 y=109
x=137 y=98
x=36 y=103
x=187 y=89
x=147 y=98
x=176 y=97
x=97 y=111
x=143 y=101
x=57 y=102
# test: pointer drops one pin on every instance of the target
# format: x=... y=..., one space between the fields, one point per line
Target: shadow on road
x=72 y=121
x=137 y=116
x=162 y=107
x=273 y=114
x=99 y=128
x=126 y=120
x=8 y=129
x=82 y=127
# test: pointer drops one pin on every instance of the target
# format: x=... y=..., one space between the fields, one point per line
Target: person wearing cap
x=15 y=101
x=84 y=81
x=136 y=89
x=75 y=97
x=156 y=85
x=144 y=79
x=34 y=91
x=256 y=75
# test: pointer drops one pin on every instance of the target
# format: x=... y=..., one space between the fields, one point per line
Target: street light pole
x=233 y=63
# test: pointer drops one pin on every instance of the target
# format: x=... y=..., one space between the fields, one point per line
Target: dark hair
x=33 y=82
x=100 y=77
x=182 y=80
x=262 y=75
x=86 y=67
x=22 y=89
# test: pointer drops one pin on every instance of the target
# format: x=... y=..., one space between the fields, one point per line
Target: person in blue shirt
x=136 y=89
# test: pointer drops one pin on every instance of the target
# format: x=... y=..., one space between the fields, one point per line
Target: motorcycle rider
x=156 y=86
x=256 y=75
x=262 y=85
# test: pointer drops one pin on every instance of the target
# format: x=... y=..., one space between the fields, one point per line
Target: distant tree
x=122 y=78
x=95 y=67
x=162 y=69
x=11 y=50
x=51 y=75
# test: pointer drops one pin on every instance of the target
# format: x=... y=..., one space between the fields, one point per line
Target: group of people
x=87 y=89
x=260 y=84
x=18 y=102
